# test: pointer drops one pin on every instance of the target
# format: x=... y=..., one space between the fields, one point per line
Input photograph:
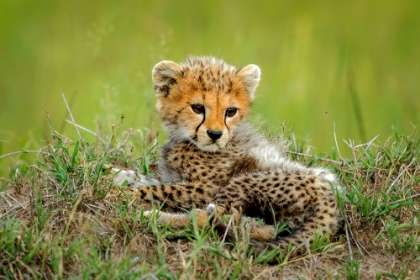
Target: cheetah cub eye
x=231 y=112
x=198 y=109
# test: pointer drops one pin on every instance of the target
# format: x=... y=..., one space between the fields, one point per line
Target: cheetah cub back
x=213 y=159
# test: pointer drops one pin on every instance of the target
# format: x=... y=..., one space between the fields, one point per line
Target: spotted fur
x=214 y=159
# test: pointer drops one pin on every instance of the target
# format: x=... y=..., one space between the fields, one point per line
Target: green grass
x=351 y=65
x=62 y=217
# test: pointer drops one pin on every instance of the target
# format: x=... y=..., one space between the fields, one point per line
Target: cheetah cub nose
x=214 y=135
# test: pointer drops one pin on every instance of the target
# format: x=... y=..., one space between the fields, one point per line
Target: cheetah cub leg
x=305 y=199
x=205 y=218
x=258 y=231
x=179 y=220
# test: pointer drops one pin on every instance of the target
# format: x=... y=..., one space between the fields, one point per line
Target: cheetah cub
x=215 y=160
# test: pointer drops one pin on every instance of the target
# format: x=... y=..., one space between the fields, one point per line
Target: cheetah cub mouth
x=203 y=103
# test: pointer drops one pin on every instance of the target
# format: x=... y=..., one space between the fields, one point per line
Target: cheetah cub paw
x=120 y=176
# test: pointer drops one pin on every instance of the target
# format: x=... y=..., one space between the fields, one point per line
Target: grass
x=351 y=64
x=62 y=217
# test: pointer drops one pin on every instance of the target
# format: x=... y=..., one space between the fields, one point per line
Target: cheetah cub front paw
x=120 y=176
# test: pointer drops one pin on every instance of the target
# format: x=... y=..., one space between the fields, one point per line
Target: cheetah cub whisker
x=215 y=163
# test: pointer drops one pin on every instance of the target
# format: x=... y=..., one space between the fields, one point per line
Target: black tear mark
x=226 y=124
x=198 y=127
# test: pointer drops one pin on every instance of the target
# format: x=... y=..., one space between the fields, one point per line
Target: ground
x=63 y=217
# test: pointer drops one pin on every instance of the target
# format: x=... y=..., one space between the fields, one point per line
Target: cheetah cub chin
x=215 y=160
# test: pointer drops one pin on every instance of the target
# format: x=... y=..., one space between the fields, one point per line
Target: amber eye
x=230 y=112
x=198 y=109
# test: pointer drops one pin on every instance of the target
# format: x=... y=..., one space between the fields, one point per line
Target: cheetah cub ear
x=250 y=75
x=165 y=74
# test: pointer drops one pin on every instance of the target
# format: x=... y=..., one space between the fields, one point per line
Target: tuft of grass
x=62 y=217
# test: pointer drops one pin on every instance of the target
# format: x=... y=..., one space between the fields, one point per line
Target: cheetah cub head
x=203 y=99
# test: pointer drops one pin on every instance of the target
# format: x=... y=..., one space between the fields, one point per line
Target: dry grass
x=62 y=218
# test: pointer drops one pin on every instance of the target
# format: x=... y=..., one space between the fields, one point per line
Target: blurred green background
x=352 y=65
